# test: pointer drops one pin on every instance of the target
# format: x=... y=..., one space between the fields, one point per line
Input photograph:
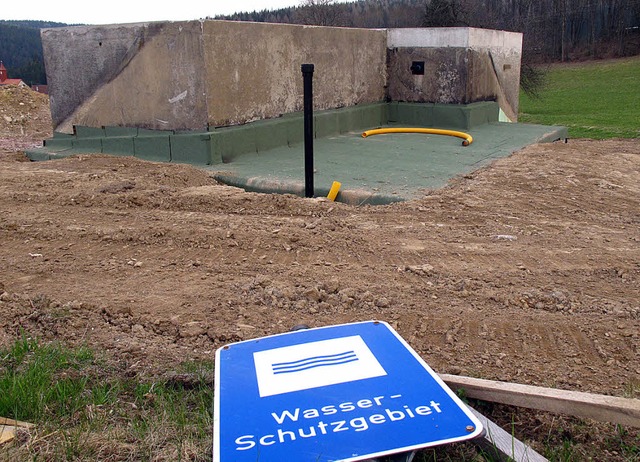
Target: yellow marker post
x=333 y=192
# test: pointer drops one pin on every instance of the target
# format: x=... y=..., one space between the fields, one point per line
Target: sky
x=128 y=11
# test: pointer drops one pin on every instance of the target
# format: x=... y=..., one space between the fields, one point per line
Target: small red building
x=5 y=80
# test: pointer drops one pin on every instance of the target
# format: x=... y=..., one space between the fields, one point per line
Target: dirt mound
x=526 y=271
x=25 y=119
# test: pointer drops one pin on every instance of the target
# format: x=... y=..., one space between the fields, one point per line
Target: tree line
x=562 y=30
x=21 y=50
x=553 y=30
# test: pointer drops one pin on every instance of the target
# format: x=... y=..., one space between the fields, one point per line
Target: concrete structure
x=227 y=96
x=225 y=144
x=268 y=155
x=197 y=75
x=460 y=65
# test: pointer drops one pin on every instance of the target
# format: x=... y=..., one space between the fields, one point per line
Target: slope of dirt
x=526 y=271
x=25 y=119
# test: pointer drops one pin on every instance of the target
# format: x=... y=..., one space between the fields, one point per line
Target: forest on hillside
x=21 y=50
x=554 y=30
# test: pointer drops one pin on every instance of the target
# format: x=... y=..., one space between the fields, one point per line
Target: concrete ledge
x=326 y=124
x=120 y=131
x=88 y=132
x=295 y=129
x=40 y=154
x=555 y=133
x=191 y=148
x=224 y=144
x=87 y=144
x=155 y=148
x=269 y=134
x=231 y=142
x=451 y=116
x=380 y=170
x=118 y=145
x=288 y=130
x=58 y=142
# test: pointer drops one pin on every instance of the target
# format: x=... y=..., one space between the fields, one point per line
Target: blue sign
x=341 y=393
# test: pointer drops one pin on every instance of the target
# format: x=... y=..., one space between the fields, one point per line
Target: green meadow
x=596 y=99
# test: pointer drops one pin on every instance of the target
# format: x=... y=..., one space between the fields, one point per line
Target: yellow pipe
x=468 y=139
x=333 y=192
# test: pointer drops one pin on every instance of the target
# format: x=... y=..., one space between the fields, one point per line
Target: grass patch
x=597 y=100
x=87 y=409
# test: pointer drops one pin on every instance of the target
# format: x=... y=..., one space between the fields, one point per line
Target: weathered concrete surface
x=462 y=66
x=195 y=75
x=142 y=75
x=254 y=72
x=190 y=75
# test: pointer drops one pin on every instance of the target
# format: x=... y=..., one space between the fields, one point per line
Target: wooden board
x=623 y=411
x=8 y=428
x=15 y=423
x=7 y=433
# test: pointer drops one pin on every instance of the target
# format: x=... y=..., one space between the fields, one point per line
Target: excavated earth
x=526 y=271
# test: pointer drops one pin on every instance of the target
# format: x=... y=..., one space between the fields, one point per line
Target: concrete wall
x=462 y=65
x=195 y=74
x=254 y=72
x=141 y=75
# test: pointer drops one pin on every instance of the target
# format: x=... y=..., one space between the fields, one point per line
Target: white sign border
x=478 y=427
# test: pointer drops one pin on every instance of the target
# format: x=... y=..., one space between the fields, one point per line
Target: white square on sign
x=315 y=364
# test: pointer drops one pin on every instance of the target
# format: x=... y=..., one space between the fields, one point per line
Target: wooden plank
x=503 y=446
x=15 y=423
x=623 y=411
x=7 y=433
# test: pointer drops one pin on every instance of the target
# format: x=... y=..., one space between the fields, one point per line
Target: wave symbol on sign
x=313 y=362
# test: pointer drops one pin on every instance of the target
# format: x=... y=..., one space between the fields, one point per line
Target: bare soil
x=526 y=271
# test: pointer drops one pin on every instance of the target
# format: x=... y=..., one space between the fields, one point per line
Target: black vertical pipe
x=307 y=75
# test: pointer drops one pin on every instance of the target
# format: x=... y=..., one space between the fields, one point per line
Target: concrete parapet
x=267 y=134
x=87 y=144
x=120 y=131
x=118 y=145
x=193 y=148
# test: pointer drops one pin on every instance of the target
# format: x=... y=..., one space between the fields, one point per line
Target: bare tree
x=320 y=13
x=445 y=13
x=553 y=29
